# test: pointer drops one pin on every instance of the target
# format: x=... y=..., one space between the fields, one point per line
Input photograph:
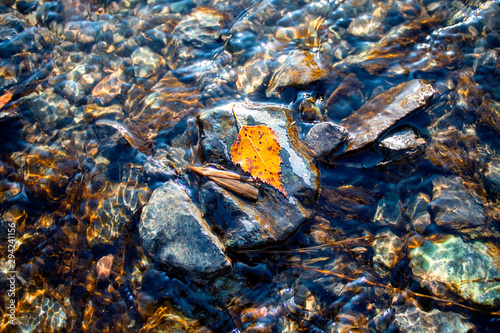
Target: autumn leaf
x=4 y=99
x=256 y=150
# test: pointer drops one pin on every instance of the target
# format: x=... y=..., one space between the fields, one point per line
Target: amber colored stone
x=103 y=266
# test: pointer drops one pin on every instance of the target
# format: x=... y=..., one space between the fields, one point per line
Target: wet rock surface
x=417 y=320
x=175 y=234
x=383 y=111
x=418 y=213
x=299 y=68
x=146 y=62
x=326 y=139
x=492 y=177
x=402 y=145
x=102 y=103
x=453 y=207
x=273 y=217
x=467 y=266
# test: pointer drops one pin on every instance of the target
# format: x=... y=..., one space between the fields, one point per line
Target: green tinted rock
x=466 y=266
x=414 y=320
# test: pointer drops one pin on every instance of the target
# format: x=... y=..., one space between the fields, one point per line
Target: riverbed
x=124 y=207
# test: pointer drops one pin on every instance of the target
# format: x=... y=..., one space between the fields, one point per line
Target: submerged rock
x=416 y=211
x=388 y=249
x=273 y=217
x=196 y=34
x=452 y=207
x=401 y=145
x=175 y=234
x=414 y=320
x=389 y=210
x=300 y=68
x=468 y=267
x=382 y=112
x=112 y=217
x=309 y=111
x=45 y=315
x=251 y=76
x=146 y=62
x=492 y=177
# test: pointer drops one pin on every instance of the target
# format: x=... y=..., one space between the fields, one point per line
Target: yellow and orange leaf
x=256 y=150
x=4 y=99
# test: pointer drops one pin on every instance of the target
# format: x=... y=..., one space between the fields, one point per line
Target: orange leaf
x=256 y=150
x=4 y=99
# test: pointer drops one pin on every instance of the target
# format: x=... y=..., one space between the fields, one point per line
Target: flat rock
x=389 y=210
x=416 y=211
x=413 y=320
x=492 y=177
x=401 y=145
x=194 y=35
x=146 y=62
x=326 y=138
x=175 y=234
x=387 y=249
x=300 y=68
x=251 y=76
x=383 y=111
x=468 y=267
x=453 y=207
x=272 y=217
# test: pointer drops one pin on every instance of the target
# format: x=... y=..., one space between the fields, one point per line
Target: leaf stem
x=235 y=117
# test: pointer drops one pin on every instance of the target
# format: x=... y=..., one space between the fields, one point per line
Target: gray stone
x=383 y=111
x=417 y=211
x=403 y=139
x=389 y=210
x=300 y=68
x=175 y=234
x=146 y=62
x=273 y=217
x=308 y=111
x=453 y=207
x=193 y=35
x=388 y=249
x=468 y=267
x=245 y=225
x=415 y=320
x=325 y=139
x=492 y=177
x=401 y=145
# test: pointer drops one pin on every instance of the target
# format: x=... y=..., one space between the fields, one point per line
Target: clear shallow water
x=100 y=106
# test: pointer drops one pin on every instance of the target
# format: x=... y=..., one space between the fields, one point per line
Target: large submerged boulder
x=469 y=267
x=175 y=234
x=242 y=223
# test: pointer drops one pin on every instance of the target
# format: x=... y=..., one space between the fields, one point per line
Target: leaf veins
x=256 y=150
